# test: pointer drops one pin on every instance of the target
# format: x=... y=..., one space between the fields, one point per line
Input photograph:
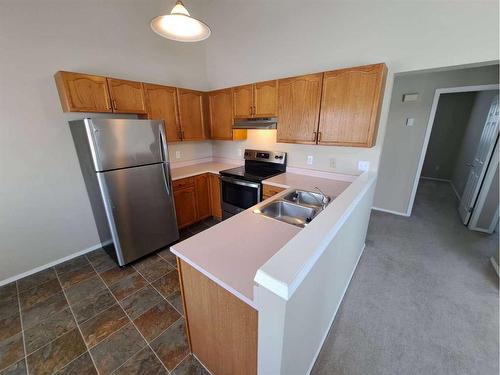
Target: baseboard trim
x=434 y=179
x=495 y=266
x=335 y=314
x=390 y=211
x=455 y=190
x=50 y=264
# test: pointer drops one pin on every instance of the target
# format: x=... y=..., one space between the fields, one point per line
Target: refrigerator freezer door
x=140 y=209
x=125 y=143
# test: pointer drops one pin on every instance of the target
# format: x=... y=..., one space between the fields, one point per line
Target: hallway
x=423 y=300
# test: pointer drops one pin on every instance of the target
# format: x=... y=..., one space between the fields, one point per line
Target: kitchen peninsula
x=243 y=280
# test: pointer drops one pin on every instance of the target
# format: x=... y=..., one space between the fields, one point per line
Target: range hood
x=255 y=123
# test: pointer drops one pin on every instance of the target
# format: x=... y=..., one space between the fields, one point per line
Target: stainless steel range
x=241 y=187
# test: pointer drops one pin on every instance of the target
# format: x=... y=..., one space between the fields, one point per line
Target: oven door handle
x=240 y=182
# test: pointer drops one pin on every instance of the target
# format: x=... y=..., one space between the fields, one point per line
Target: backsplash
x=325 y=158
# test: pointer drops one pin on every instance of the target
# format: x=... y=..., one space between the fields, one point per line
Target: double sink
x=297 y=207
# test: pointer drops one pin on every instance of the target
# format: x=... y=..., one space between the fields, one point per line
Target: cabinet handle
x=114 y=104
x=182 y=134
x=315 y=136
x=319 y=136
x=254 y=111
x=251 y=110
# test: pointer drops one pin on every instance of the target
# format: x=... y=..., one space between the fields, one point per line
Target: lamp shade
x=180 y=26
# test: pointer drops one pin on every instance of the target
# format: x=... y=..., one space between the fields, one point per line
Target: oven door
x=238 y=195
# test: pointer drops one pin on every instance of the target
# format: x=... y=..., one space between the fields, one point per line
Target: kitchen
x=198 y=211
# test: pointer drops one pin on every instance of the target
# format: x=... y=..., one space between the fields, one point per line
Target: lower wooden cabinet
x=194 y=199
x=222 y=329
x=215 y=201
x=185 y=206
x=268 y=191
x=201 y=186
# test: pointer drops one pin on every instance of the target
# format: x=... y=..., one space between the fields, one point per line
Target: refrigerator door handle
x=164 y=156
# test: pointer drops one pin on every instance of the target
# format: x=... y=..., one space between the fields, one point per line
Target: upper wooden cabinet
x=299 y=101
x=126 y=96
x=83 y=92
x=256 y=100
x=191 y=114
x=161 y=103
x=220 y=105
x=350 y=106
x=340 y=107
x=243 y=101
x=266 y=99
x=220 y=109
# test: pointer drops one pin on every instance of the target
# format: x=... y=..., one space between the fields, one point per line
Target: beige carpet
x=423 y=300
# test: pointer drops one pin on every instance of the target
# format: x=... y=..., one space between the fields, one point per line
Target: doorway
x=461 y=148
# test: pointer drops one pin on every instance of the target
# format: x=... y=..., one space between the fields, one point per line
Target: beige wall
x=262 y=39
x=452 y=117
x=44 y=208
x=403 y=145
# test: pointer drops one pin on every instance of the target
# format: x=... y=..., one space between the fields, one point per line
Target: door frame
x=430 y=124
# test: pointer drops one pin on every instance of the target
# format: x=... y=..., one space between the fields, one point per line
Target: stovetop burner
x=259 y=165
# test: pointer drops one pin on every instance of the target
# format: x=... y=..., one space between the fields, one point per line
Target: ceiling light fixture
x=180 y=26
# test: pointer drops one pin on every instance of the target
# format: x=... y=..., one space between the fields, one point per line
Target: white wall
x=262 y=39
x=403 y=145
x=44 y=208
x=472 y=136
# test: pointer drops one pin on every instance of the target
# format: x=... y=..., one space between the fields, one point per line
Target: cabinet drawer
x=183 y=183
x=269 y=191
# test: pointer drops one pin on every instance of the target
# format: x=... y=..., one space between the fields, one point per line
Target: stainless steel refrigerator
x=127 y=174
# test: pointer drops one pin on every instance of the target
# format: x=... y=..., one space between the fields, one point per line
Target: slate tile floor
x=88 y=316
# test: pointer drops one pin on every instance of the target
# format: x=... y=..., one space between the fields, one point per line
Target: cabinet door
x=350 y=106
x=298 y=108
x=215 y=202
x=162 y=105
x=82 y=92
x=221 y=114
x=266 y=99
x=201 y=185
x=185 y=206
x=243 y=101
x=191 y=114
x=126 y=96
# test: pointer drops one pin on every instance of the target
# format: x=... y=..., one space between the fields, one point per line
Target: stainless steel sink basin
x=308 y=198
x=289 y=212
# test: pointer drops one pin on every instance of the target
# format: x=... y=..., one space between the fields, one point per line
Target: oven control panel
x=277 y=157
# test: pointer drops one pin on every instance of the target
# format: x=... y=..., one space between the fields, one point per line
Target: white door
x=480 y=163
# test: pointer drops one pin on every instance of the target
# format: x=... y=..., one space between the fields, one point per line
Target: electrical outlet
x=177 y=154
x=310 y=159
x=363 y=165
x=332 y=163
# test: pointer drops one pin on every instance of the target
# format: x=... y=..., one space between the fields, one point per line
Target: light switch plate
x=177 y=154
x=410 y=121
x=332 y=163
x=310 y=159
x=413 y=97
x=363 y=165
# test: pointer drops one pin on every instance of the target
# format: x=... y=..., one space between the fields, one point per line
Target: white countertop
x=328 y=186
x=196 y=169
x=231 y=253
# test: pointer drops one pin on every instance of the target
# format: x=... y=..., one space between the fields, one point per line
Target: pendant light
x=180 y=26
